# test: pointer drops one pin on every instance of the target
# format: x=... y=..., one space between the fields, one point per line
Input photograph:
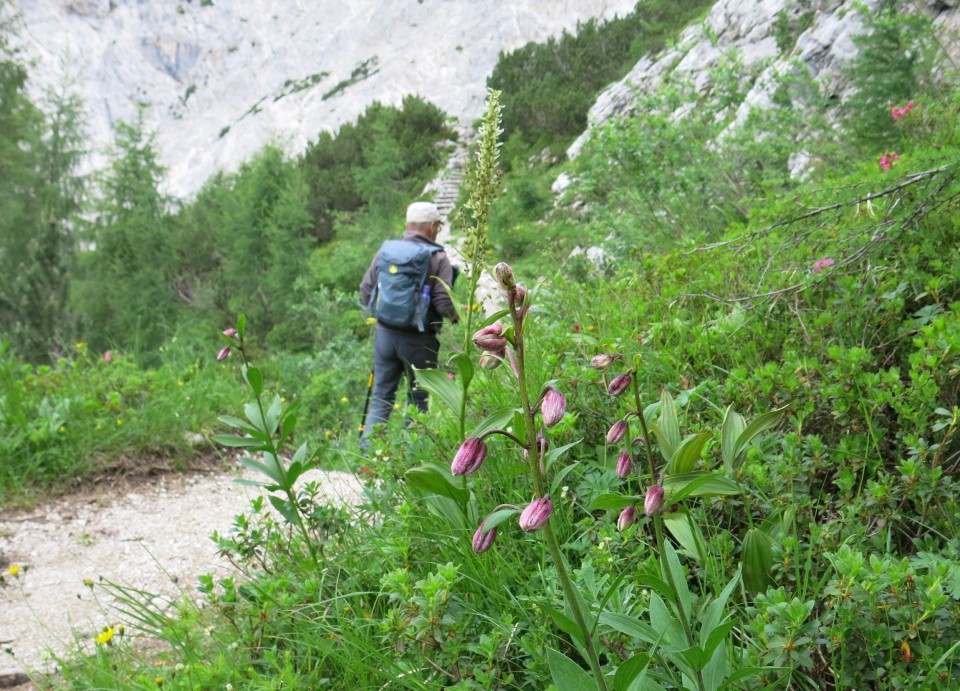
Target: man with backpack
x=405 y=289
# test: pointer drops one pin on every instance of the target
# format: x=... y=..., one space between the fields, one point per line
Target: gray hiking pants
x=395 y=353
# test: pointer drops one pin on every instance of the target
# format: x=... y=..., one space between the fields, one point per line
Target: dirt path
x=153 y=536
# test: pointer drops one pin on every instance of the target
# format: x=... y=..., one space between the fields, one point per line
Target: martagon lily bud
x=490 y=338
x=653 y=500
x=504 y=275
x=624 y=465
x=627 y=518
x=536 y=514
x=491 y=360
x=620 y=384
x=601 y=361
x=469 y=456
x=222 y=355
x=617 y=432
x=553 y=407
x=483 y=540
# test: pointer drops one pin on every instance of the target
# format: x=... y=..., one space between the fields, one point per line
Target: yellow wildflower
x=119 y=422
x=344 y=400
x=14 y=570
x=104 y=637
x=81 y=345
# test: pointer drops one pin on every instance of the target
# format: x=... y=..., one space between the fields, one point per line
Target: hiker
x=405 y=290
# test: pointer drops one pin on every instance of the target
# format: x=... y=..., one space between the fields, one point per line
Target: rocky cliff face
x=749 y=29
x=220 y=78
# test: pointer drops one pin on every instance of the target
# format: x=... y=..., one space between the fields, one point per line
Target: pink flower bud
x=504 y=275
x=490 y=338
x=601 y=361
x=627 y=518
x=469 y=457
x=222 y=355
x=230 y=332
x=536 y=514
x=542 y=445
x=620 y=383
x=483 y=540
x=617 y=432
x=520 y=301
x=107 y=357
x=653 y=500
x=624 y=464
x=553 y=408
x=491 y=360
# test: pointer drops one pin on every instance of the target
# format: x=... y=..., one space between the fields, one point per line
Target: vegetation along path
x=150 y=536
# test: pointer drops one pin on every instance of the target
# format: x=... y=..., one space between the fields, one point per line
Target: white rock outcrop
x=748 y=29
x=218 y=79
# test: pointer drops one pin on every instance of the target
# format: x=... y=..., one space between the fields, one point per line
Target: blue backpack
x=399 y=299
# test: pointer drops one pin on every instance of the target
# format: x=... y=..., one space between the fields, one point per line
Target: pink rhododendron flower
x=898 y=112
x=887 y=160
x=822 y=264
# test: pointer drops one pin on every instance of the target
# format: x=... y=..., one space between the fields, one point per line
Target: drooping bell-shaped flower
x=469 y=456
x=620 y=383
x=553 y=407
x=617 y=431
x=536 y=514
x=624 y=464
x=490 y=338
x=222 y=355
x=627 y=518
x=601 y=361
x=483 y=540
x=653 y=500
x=230 y=332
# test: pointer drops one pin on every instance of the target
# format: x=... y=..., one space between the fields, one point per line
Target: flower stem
x=540 y=486
x=658 y=529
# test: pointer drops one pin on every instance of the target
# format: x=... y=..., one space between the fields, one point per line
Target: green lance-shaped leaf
x=497 y=420
x=685 y=455
x=687 y=533
x=733 y=426
x=668 y=425
x=758 y=425
x=699 y=484
x=567 y=674
x=465 y=370
x=757 y=559
x=613 y=500
x=254 y=378
x=441 y=387
x=436 y=479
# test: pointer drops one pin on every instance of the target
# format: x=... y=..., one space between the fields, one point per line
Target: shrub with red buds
x=469 y=457
x=490 y=338
x=620 y=383
x=483 y=540
x=553 y=407
x=627 y=518
x=617 y=432
x=601 y=361
x=624 y=465
x=536 y=514
x=653 y=500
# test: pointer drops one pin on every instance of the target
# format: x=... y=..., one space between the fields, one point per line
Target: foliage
x=789 y=301
x=549 y=87
x=40 y=191
x=378 y=163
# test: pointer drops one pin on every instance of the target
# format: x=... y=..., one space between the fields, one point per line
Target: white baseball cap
x=422 y=212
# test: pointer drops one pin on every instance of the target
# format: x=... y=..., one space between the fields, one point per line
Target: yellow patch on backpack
x=392 y=269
